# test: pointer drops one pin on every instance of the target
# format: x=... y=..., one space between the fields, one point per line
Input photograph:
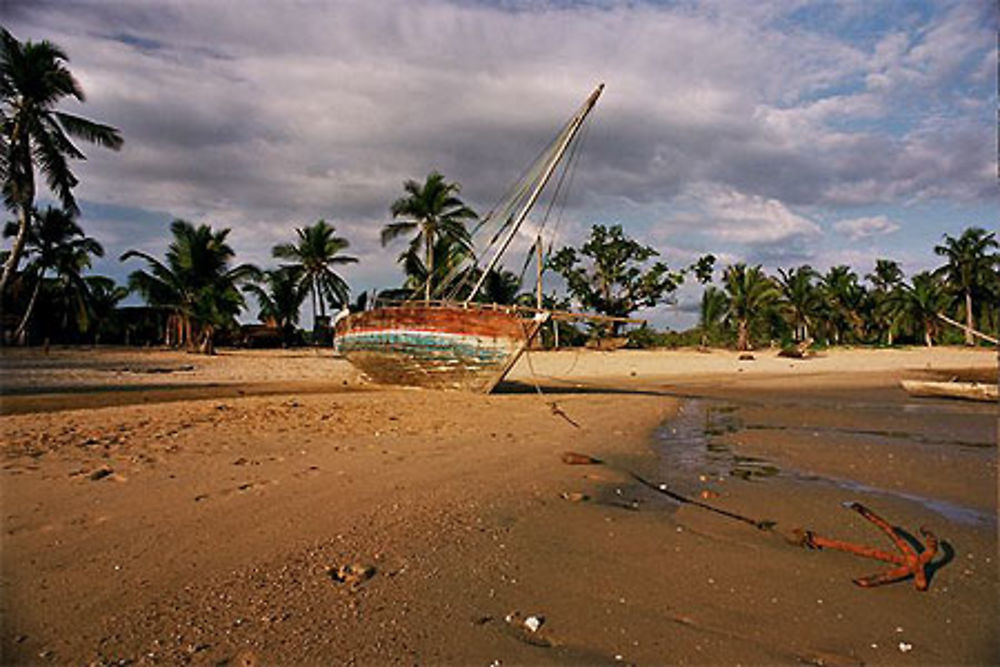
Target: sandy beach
x=272 y=507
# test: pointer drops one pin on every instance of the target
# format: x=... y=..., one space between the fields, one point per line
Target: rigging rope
x=506 y=211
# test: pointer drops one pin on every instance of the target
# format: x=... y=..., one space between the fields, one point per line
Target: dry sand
x=160 y=507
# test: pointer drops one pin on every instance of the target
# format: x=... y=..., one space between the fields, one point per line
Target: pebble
x=534 y=622
x=101 y=473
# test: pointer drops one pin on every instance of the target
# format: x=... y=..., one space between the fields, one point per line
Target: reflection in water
x=690 y=444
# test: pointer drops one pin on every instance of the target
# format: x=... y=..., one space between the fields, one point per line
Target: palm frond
x=96 y=133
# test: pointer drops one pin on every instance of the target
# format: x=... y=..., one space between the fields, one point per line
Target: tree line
x=195 y=293
x=801 y=304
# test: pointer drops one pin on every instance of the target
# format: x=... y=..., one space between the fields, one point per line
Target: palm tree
x=434 y=211
x=105 y=295
x=712 y=311
x=915 y=307
x=970 y=267
x=801 y=299
x=280 y=296
x=33 y=79
x=195 y=285
x=845 y=299
x=55 y=243
x=313 y=258
x=885 y=279
x=501 y=286
x=449 y=257
x=751 y=295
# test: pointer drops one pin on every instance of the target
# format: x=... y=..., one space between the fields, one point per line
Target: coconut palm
x=280 y=295
x=711 y=313
x=915 y=307
x=56 y=244
x=751 y=294
x=500 y=286
x=196 y=284
x=448 y=260
x=434 y=211
x=800 y=298
x=886 y=278
x=33 y=79
x=970 y=267
x=104 y=297
x=313 y=260
x=845 y=300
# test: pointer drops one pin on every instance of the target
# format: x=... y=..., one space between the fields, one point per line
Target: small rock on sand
x=101 y=473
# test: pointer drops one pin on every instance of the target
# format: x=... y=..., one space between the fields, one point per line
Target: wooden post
x=538 y=284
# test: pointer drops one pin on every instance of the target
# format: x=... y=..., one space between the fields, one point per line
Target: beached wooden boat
x=970 y=391
x=440 y=346
x=458 y=344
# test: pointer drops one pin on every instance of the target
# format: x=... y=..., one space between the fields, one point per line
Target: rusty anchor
x=908 y=561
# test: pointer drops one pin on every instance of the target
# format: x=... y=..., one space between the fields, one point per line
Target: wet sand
x=196 y=514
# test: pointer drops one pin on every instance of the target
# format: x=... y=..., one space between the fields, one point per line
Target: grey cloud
x=269 y=116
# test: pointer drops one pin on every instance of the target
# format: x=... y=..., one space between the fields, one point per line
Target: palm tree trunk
x=742 y=336
x=21 y=151
x=928 y=341
x=23 y=221
x=207 y=345
x=312 y=293
x=429 y=240
x=21 y=335
x=969 y=324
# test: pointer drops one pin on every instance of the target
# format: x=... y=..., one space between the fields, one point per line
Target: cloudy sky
x=778 y=132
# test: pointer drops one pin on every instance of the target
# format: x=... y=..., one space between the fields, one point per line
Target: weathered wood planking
x=436 y=346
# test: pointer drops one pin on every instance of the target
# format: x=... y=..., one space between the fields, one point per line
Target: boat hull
x=441 y=347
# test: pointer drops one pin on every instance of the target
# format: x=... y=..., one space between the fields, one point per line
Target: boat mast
x=573 y=129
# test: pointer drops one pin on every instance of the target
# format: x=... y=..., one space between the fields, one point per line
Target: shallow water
x=691 y=446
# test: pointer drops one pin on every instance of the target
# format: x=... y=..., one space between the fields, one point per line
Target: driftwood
x=607 y=344
x=969 y=391
x=799 y=351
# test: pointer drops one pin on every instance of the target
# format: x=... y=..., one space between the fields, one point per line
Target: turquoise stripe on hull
x=428 y=345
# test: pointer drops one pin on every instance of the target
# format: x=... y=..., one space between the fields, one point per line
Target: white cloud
x=271 y=117
x=859 y=228
x=738 y=217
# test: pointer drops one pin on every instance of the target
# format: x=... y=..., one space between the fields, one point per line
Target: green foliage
x=886 y=279
x=449 y=256
x=844 y=299
x=196 y=283
x=501 y=286
x=712 y=312
x=752 y=295
x=56 y=245
x=280 y=295
x=36 y=136
x=312 y=261
x=971 y=270
x=914 y=307
x=607 y=274
x=703 y=269
x=801 y=300
x=104 y=297
x=434 y=211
